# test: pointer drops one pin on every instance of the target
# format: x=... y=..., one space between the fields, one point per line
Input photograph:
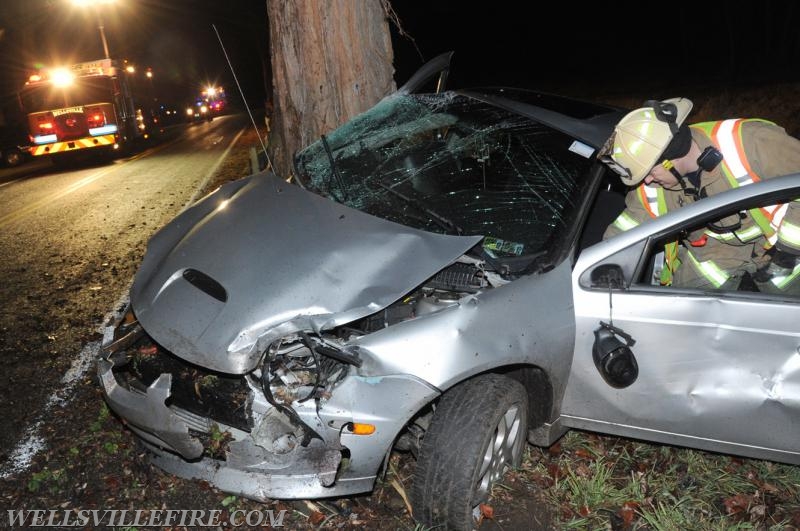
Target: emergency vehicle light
x=61 y=77
x=104 y=130
x=95 y=118
x=44 y=139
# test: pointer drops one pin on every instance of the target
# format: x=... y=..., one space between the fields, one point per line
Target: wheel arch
x=535 y=380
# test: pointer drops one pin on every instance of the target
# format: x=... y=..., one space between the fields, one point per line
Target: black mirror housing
x=614 y=359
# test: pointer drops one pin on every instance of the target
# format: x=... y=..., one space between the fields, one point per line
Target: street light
x=94 y=4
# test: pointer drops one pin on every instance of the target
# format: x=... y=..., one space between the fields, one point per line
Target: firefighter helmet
x=642 y=137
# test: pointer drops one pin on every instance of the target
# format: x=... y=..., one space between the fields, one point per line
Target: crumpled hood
x=260 y=258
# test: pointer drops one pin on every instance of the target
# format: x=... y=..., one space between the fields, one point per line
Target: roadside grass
x=602 y=482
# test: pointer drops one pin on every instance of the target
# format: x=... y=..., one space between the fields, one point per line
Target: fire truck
x=86 y=108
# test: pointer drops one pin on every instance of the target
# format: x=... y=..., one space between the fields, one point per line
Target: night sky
x=580 y=46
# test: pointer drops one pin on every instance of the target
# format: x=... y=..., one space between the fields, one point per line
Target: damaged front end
x=301 y=425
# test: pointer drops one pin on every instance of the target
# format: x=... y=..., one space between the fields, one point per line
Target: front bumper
x=247 y=469
x=252 y=462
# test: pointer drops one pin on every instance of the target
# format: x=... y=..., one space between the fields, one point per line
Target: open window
x=717 y=253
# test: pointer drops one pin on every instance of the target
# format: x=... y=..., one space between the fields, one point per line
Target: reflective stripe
x=742 y=235
x=709 y=270
x=671 y=263
x=789 y=233
x=652 y=198
x=782 y=282
x=649 y=198
x=625 y=222
x=727 y=135
x=726 y=138
x=71 y=145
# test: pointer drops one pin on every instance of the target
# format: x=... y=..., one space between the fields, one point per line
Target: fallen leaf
x=737 y=503
x=768 y=487
x=554 y=449
x=584 y=454
x=487 y=511
x=316 y=517
x=628 y=512
x=542 y=480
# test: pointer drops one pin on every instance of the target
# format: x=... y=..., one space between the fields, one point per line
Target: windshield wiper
x=334 y=169
x=438 y=218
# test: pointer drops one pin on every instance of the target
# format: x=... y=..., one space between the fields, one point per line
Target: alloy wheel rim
x=503 y=449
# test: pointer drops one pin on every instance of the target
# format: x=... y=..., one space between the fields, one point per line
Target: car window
x=450 y=164
x=727 y=254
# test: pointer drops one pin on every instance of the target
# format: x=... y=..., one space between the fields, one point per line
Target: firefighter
x=671 y=164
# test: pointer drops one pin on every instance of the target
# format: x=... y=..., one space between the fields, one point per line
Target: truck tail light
x=95 y=118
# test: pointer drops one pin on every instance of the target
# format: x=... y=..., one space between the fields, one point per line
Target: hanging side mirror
x=614 y=358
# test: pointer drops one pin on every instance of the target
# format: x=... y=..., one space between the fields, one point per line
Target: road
x=71 y=240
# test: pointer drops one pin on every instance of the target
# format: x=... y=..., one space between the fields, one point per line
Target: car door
x=717 y=370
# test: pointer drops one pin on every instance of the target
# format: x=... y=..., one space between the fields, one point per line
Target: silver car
x=434 y=281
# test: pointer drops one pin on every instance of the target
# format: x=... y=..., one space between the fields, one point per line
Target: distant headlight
x=203 y=109
x=189 y=111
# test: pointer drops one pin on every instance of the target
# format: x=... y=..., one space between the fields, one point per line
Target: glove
x=782 y=264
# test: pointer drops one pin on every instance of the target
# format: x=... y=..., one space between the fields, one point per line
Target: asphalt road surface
x=70 y=242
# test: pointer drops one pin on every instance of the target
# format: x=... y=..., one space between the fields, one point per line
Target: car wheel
x=478 y=430
x=12 y=157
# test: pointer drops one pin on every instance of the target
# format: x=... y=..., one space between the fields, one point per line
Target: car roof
x=592 y=123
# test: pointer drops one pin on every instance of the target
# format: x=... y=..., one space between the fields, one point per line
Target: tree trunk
x=331 y=60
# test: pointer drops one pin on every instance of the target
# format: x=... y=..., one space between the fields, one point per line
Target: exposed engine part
x=442 y=290
x=300 y=368
x=462 y=278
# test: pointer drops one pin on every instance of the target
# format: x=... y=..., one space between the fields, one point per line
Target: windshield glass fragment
x=449 y=164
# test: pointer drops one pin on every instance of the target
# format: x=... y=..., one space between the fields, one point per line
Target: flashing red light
x=96 y=118
x=46 y=126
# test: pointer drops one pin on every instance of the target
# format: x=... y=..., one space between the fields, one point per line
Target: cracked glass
x=451 y=164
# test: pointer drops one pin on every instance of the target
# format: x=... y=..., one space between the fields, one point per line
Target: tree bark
x=331 y=60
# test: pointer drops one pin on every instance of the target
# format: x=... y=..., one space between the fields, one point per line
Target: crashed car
x=433 y=281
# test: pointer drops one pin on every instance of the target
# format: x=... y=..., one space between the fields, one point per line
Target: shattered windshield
x=450 y=164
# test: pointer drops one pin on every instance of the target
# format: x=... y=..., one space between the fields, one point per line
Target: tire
x=479 y=428
x=12 y=157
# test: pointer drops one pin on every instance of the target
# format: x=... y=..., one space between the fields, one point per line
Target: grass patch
x=602 y=482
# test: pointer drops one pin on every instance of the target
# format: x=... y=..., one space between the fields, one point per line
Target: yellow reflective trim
x=625 y=222
x=742 y=235
x=789 y=233
x=782 y=282
x=78 y=143
x=710 y=270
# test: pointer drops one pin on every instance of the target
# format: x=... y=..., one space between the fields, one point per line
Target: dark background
x=579 y=48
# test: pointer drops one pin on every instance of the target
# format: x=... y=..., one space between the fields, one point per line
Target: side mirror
x=613 y=358
x=608 y=276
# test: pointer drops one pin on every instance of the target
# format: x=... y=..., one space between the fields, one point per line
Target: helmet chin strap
x=693 y=192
